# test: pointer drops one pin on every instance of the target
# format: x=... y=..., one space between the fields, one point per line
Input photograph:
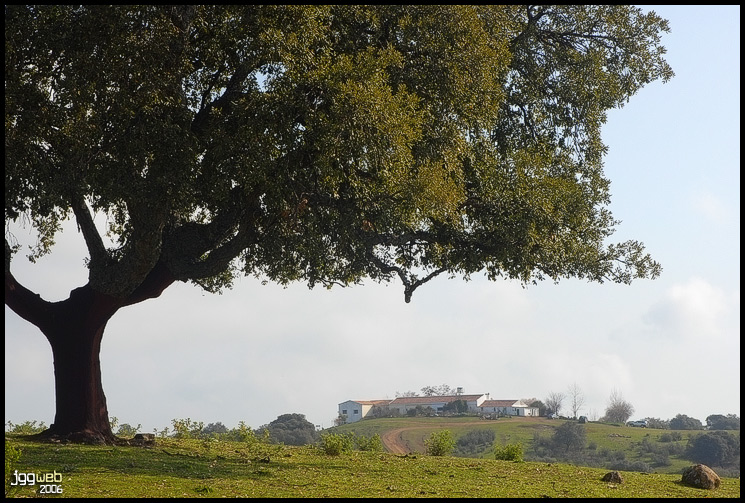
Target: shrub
x=683 y=422
x=186 y=428
x=334 y=444
x=12 y=455
x=372 y=444
x=569 y=437
x=440 y=443
x=718 y=448
x=128 y=431
x=474 y=441
x=509 y=452
x=26 y=428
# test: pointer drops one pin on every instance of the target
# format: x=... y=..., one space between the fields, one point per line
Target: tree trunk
x=75 y=330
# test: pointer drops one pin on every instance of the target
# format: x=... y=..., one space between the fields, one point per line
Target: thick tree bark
x=74 y=328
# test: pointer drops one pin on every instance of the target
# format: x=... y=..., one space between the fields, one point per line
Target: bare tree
x=441 y=390
x=576 y=399
x=554 y=401
x=618 y=410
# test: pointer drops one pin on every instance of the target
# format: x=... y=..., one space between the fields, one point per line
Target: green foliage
x=421 y=411
x=440 y=443
x=456 y=406
x=372 y=444
x=717 y=448
x=291 y=429
x=319 y=145
x=509 y=452
x=570 y=436
x=128 y=431
x=474 y=441
x=12 y=455
x=720 y=422
x=660 y=424
x=215 y=429
x=26 y=427
x=683 y=422
x=186 y=428
x=335 y=444
x=673 y=436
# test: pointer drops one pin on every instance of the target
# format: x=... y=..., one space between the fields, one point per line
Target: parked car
x=552 y=416
x=582 y=419
x=637 y=424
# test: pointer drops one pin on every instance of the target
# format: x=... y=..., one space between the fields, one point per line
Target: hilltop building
x=353 y=410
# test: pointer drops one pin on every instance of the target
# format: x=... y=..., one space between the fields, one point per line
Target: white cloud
x=712 y=207
x=693 y=309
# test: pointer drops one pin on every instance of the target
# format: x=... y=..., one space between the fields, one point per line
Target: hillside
x=214 y=468
x=636 y=449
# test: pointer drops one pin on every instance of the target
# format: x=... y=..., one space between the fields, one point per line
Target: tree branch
x=25 y=303
x=93 y=241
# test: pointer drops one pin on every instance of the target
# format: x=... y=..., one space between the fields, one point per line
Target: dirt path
x=393 y=439
x=393 y=442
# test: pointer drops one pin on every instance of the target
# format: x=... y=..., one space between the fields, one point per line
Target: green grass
x=625 y=439
x=209 y=468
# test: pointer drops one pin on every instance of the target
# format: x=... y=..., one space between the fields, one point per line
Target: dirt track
x=393 y=439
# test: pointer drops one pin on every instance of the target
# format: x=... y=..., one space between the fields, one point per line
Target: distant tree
x=324 y=144
x=720 y=422
x=618 y=409
x=660 y=424
x=406 y=394
x=457 y=406
x=291 y=429
x=441 y=390
x=539 y=405
x=377 y=411
x=683 y=422
x=421 y=410
x=217 y=428
x=570 y=437
x=717 y=448
x=576 y=399
x=554 y=402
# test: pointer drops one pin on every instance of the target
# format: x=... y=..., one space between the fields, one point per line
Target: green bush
x=128 y=431
x=474 y=441
x=12 y=455
x=334 y=444
x=186 y=428
x=26 y=428
x=372 y=444
x=509 y=452
x=440 y=443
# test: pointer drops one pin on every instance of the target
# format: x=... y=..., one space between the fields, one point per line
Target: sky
x=668 y=346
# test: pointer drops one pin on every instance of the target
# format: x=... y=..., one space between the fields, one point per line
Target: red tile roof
x=417 y=400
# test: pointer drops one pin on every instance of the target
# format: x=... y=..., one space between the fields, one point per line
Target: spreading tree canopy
x=323 y=144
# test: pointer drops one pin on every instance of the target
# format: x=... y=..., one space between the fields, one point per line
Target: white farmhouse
x=507 y=408
x=437 y=402
x=354 y=410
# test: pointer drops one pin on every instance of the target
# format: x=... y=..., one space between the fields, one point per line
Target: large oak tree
x=323 y=144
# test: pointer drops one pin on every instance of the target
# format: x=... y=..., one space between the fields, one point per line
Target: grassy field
x=212 y=468
x=622 y=439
